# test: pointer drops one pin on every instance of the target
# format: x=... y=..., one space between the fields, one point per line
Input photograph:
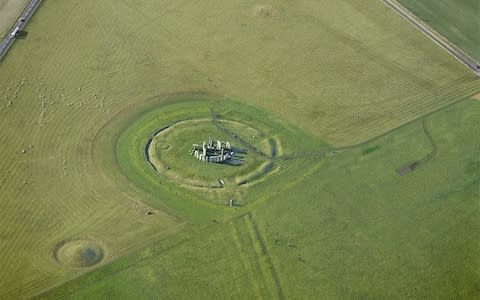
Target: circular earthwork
x=78 y=253
x=169 y=152
x=154 y=148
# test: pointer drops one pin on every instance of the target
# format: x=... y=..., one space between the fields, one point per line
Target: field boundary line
x=427 y=114
x=433 y=35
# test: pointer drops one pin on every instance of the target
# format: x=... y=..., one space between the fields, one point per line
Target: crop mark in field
x=256 y=259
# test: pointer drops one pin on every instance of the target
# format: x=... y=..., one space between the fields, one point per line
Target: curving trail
x=412 y=166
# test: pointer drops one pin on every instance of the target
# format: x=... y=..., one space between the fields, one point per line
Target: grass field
x=354 y=229
x=458 y=21
x=330 y=80
x=192 y=121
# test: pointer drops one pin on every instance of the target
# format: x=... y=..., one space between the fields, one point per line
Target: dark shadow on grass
x=239 y=150
x=21 y=34
x=412 y=166
x=233 y=162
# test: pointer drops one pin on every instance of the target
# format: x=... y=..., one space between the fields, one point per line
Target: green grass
x=180 y=139
x=191 y=121
x=320 y=75
x=370 y=150
x=457 y=20
x=364 y=231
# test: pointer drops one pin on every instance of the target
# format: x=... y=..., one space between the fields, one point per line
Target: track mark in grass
x=246 y=261
x=256 y=258
x=261 y=250
x=412 y=166
x=408 y=168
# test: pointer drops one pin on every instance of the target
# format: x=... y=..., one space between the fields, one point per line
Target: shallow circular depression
x=78 y=253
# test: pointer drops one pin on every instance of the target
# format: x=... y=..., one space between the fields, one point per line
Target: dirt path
x=476 y=97
x=412 y=166
x=434 y=36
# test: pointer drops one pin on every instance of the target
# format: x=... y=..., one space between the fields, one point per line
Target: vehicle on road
x=15 y=32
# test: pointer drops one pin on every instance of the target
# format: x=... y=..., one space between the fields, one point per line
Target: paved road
x=434 y=36
x=20 y=23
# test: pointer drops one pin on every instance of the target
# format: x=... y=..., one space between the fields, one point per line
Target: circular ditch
x=78 y=253
x=168 y=151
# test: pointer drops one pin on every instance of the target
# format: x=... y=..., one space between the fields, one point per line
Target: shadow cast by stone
x=239 y=150
x=234 y=162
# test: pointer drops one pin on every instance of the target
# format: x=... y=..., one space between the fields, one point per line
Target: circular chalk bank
x=168 y=151
x=78 y=253
x=156 y=148
x=153 y=148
